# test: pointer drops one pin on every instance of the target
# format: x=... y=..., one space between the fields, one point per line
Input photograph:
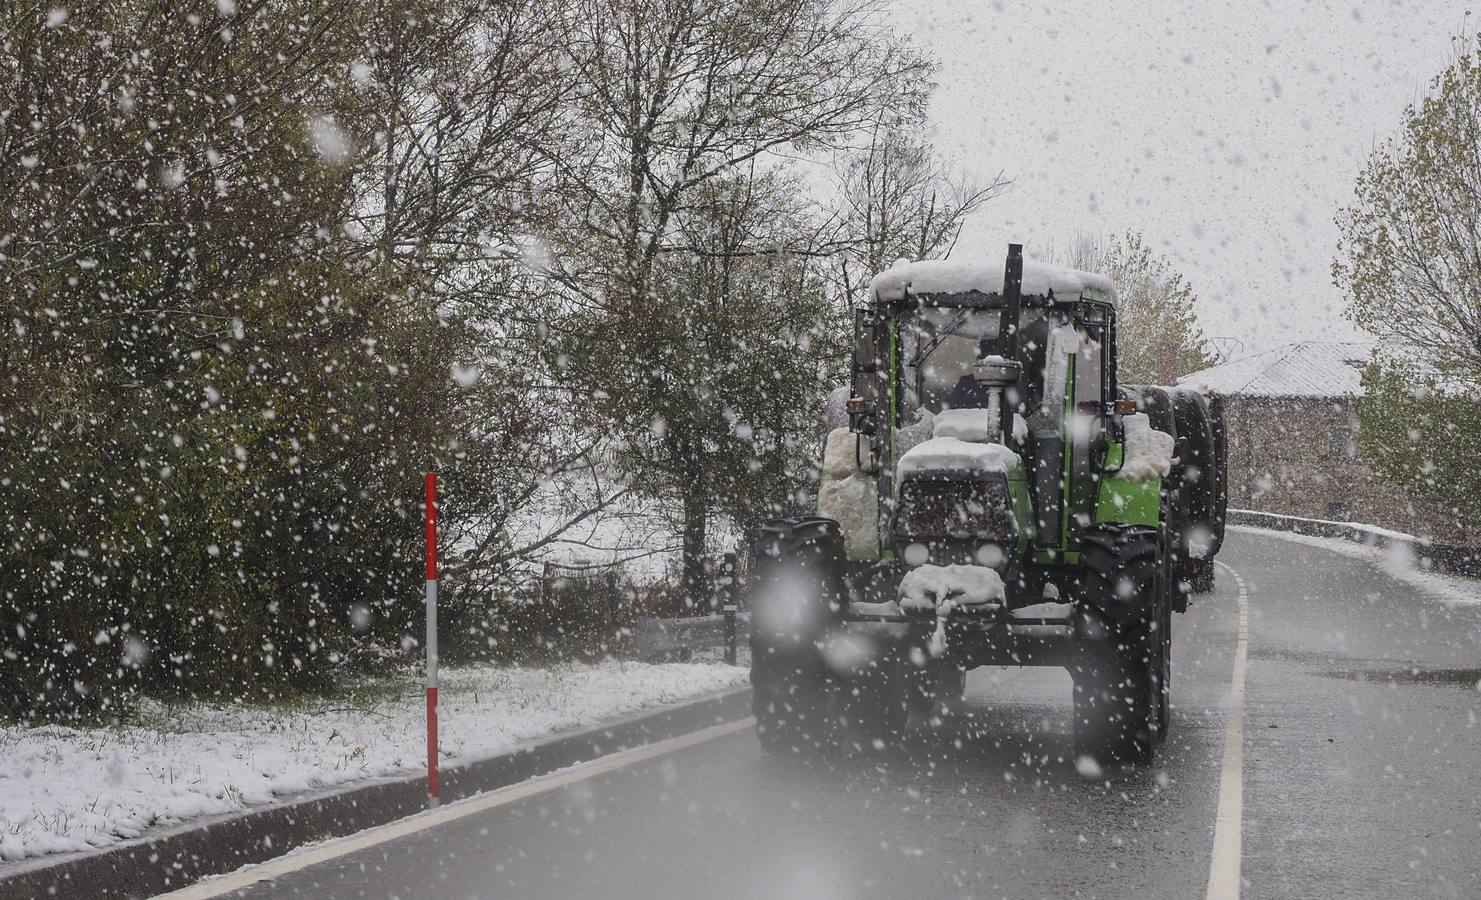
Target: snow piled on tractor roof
x=949 y=276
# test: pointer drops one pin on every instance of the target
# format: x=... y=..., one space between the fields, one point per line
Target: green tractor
x=989 y=495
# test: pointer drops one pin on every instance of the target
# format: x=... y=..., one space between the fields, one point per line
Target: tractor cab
x=948 y=350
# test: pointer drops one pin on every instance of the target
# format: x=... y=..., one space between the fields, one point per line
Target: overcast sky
x=1227 y=131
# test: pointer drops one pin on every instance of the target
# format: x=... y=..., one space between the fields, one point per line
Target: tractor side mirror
x=861 y=416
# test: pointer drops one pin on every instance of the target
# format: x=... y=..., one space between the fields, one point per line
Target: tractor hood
x=942 y=455
x=953 y=498
x=962 y=440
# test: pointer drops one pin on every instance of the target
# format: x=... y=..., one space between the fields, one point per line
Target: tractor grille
x=966 y=509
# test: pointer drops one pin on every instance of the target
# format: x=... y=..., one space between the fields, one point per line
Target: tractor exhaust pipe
x=1013 y=294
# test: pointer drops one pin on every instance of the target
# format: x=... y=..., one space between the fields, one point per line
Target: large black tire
x=1197 y=457
x=1122 y=644
x=1203 y=576
x=790 y=698
x=1221 y=456
x=937 y=687
x=1196 y=477
x=873 y=706
x=797 y=595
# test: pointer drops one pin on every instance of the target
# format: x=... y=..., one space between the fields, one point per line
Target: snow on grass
x=1395 y=560
x=64 y=789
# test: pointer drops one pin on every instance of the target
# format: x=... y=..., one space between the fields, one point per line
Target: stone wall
x=1298 y=457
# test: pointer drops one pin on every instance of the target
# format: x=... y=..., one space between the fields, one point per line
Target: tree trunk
x=696 y=588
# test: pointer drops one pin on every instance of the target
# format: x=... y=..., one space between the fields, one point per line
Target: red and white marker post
x=433 y=791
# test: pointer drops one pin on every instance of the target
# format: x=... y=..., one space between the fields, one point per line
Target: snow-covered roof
x=950 y=276
x=1317 y=369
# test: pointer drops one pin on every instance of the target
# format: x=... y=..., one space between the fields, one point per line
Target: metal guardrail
x=669 y=639
x=1448 y=558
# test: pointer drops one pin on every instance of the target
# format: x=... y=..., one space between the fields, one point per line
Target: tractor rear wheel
x=798 y=594
x=1122 y=651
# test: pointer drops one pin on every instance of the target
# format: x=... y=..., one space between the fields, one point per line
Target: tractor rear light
x=856 y=404
x=1125 y=407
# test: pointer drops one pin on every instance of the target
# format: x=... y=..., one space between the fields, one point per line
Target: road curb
x=181 y=856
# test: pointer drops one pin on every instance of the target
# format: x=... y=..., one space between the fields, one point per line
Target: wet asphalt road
x=1361 y=778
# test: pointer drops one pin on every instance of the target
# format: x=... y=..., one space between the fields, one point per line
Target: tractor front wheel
x=1122 y=652
x=799 y=591
x=874 y=704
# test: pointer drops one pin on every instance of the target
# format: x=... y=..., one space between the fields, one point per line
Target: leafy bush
x=214 y=408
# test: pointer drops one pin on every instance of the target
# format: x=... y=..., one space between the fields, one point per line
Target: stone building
x=1292 y=432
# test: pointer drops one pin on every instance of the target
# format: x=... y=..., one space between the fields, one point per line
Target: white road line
x=284 y=865
x=1223 y=870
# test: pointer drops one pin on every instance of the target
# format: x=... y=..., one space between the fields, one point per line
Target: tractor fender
x=1157 y=404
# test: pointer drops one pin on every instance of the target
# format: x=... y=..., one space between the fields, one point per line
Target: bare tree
x=682 y=94
x=1409 y=258
x=468 y=105
x=1409 y=261
x=898 y=199
x=1158 y=338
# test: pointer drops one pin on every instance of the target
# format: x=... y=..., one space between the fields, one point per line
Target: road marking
x=1223 y=870
x=284 y=865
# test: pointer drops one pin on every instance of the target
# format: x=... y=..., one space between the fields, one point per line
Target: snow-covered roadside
x=65 y=789
x=1395 y=560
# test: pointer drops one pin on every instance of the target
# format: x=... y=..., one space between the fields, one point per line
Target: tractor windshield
x=942 y=343
x=941 y=347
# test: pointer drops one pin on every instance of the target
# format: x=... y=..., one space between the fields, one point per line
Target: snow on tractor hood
x=949 y=453
x=973 y=424
x=970 y=424
x=946 y=276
